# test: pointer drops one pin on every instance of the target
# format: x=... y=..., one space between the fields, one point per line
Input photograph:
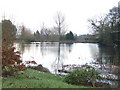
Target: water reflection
x=47 y=53
x=54 y=55
x=110 y=55
x=109 y=61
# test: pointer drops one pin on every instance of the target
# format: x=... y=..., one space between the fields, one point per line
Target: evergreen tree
x=70 y=36
x=37 y=35
x=8 y=32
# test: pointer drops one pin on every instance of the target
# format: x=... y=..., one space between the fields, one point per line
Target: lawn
x=36 y=79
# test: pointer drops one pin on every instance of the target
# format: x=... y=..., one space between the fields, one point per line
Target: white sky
x=32 y=13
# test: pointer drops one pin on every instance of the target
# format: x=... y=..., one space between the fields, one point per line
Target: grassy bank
x=34 y=79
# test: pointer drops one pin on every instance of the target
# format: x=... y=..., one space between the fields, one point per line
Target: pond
x=54 y=55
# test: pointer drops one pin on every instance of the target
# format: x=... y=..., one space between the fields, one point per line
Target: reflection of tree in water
x=117 y=55
x=21 y=47
x=27 y=47
x=61 y=56
x=24 y=47
x=69 y=45
x=93 y=50
x=109 y=59
x=48 y=47
x=42 y=51
x=109 y=55
x=37 y=44
x=58 y=59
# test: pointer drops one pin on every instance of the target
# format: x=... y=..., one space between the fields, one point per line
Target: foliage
x=37 y=35
x=26 y=34
x=11 y=61
x=77 y=77
x=82 y=76
x=92 y=74
x=70 y=36
x=105 y=26
x=34 y=79
x=8 y=32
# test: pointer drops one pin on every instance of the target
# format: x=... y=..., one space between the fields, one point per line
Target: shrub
x=11 y=61
x=92 y=74
x=82 y=76
x=77 y=77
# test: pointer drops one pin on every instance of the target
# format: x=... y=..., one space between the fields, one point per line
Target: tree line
x=44 y=35
x=106 y=30
x=57 y=33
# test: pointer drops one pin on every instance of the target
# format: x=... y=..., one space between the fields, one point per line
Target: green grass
x=34 y=79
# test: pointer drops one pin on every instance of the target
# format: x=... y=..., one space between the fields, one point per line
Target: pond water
x=54 y=55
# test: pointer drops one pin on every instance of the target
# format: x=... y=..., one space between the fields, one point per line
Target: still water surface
x=53 y=55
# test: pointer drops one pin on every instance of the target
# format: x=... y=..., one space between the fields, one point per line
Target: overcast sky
x=32 y=13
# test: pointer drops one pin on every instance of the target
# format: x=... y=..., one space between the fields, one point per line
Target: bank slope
x=34 y=79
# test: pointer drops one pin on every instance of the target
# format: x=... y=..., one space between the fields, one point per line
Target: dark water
x=53 y=56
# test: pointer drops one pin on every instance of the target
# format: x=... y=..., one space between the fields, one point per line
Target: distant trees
x=52 y=34
x=56 y=33
x=26 y=34
x=46 y=34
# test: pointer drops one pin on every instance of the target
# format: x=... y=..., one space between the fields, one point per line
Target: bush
x=11 y=61
x=77 y=77
x=82 y=76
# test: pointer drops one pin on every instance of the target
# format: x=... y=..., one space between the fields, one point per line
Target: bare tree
x=45 y=33
x=102 y=28
x=42 y=28
x=60 y=23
